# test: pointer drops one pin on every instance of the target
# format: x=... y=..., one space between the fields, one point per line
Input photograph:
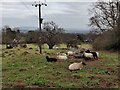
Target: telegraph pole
x=40 y=21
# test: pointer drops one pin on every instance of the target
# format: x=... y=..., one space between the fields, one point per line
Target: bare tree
x=104 y=15
x=52 y=33
x=105 y=19
x=8 y=35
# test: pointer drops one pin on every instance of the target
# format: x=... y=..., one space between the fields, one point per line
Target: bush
x=107 y=41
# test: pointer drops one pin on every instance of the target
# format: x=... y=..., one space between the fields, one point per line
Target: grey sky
x=69 y=15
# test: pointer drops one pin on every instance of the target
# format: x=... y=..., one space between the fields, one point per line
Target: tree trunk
x=50 y=46
x=40 y=47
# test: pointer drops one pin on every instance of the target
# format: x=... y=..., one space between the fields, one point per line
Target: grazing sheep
x=51 y=59
x=76 y=66
x=62 y=56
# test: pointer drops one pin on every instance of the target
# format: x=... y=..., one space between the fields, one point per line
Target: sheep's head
x=87 y=51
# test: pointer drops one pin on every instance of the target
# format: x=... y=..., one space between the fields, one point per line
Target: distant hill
x=76 y=31
x=26 y=29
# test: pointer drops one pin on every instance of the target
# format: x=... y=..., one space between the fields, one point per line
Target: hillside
x=27 y=68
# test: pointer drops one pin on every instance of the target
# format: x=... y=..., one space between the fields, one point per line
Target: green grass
x=87 y=46
x=30 y=68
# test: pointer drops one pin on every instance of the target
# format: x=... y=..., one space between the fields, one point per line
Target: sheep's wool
x=75 y=66
x=70 y=52
x=63 y=57
x=88 y=55
x=97 y=54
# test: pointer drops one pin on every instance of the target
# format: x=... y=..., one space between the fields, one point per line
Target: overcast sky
x=68 y=14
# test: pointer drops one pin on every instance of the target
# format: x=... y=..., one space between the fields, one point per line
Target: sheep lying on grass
x=51 y=59
x=89 y=55
x=9 y=46
x=76 y=66
x=62 y=56
x=55 y=47
x=70 y=53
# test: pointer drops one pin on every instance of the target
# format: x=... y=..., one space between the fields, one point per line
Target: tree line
x=104 y=20
x=51 y=34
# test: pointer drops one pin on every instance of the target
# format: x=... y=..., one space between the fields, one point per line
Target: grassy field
x=27 y=68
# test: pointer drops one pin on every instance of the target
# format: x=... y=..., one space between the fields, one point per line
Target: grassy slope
x=26 y=67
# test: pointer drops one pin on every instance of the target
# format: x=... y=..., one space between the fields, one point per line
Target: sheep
x=76 y=66
x=9 y=46
x=51 y=59
x=95 y=54
x=70 y=53
x=88 y=54
x=55 y=47
x=62 y=56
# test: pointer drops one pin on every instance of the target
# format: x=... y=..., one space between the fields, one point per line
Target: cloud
x=65 y=14
x=76 y=16
x=52 y=0
x=17 y=9
x=30 y=21
x=66 y=8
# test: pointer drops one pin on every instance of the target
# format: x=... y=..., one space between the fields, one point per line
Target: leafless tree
x=105 y=20
x=8 y=35
x=104 y=15
x=52 y=33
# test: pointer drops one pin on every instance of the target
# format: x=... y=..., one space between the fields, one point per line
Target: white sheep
x=97 y=54
x=62 y=56
x=70 y=53
x=76 y=66
x=88 y=54
x=55 y=47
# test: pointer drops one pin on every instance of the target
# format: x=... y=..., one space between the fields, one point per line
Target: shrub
x=107 y=41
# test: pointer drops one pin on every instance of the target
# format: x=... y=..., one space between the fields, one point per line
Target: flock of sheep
x=85 y=54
